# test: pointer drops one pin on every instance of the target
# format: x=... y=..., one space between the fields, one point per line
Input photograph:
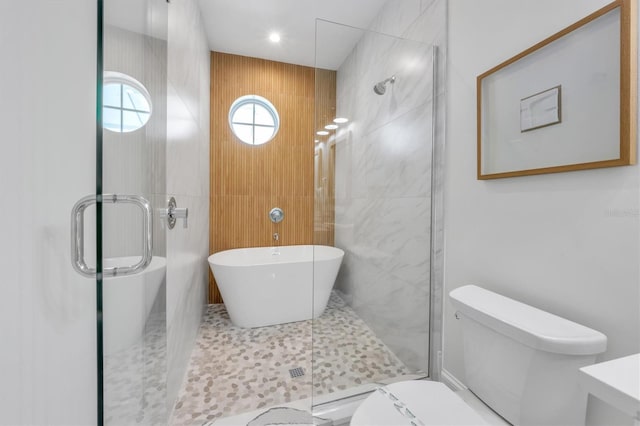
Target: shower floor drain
x=296 y=372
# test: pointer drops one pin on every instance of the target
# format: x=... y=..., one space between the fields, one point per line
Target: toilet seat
x=432 y=403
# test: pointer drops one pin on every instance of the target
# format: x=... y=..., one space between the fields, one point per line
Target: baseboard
x=452 y=381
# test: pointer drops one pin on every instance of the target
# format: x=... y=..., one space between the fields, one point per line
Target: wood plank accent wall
x=248 y=181
x=325 y=159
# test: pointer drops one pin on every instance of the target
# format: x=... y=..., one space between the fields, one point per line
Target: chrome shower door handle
x=77 y=234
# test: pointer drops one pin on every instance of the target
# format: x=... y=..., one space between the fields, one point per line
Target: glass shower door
x=71 y=353
x=374 y=181
x=134 y=51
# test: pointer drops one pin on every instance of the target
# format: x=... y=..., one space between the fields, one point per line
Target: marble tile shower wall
x=384 y=176
x=188 y=181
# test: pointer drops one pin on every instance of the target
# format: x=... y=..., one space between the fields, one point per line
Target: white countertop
x=616 y=382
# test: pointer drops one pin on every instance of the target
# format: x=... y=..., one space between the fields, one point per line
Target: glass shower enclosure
x=82 y=300
x=374 y=199
x=83 y=178
x=134 y=211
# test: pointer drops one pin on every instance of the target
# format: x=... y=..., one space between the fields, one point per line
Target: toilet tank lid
x=531 y=326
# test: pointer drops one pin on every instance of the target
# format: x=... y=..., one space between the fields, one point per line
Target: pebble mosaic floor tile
x=236 y=370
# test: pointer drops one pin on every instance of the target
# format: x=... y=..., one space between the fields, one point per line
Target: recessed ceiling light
x=317 y=140
x=322 y=133
x=331 y=126
x=274 y=37
x=340 y=120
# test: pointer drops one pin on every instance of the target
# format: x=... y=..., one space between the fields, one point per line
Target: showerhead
x=381 y=87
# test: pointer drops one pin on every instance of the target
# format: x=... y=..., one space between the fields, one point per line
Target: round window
x=253 y=119
x=126 y=103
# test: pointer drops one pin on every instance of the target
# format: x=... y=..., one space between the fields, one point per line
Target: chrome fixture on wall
x=174 y=213
x=381 y=86
x=276 y=215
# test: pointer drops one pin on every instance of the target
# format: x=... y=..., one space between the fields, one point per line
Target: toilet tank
x=523 y=362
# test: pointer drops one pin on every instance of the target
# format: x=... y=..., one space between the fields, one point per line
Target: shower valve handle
x=276 y=215
x=174 y=213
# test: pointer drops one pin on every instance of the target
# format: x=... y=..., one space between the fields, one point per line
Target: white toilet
x=521 y=361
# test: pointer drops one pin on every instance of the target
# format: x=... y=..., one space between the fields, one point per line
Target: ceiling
x=242 y=27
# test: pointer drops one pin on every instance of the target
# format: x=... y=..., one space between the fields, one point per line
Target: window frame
x=112 y=77
x=254 y=100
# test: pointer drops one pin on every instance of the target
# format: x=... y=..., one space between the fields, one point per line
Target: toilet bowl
x=519 y=360
x=415 y=402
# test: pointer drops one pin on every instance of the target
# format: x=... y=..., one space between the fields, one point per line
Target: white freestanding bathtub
x=127 y=302
x=274 y=285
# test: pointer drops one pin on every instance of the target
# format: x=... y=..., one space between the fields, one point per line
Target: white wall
x=567 y=243
x=48 y=122
x=187 y=181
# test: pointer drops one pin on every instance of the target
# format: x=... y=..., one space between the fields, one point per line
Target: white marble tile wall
x=384 y=175
x=187 y=157
x=396 y=16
